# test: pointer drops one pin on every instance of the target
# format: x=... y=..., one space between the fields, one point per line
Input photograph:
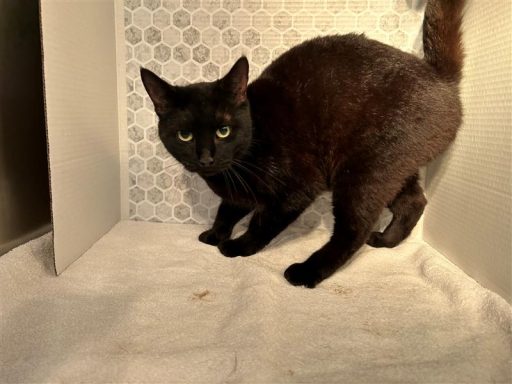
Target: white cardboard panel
x=81 y=105
x=468 y=217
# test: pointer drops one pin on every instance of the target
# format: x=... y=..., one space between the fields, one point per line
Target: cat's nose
x=206 y=158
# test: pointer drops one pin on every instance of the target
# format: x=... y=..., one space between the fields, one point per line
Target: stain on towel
x=340 y=290
x=200 y=295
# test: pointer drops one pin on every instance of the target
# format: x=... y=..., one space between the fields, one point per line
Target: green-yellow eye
x=185 y=135
x=223 y=132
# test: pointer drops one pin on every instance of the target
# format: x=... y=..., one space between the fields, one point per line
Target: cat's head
x=205 y=126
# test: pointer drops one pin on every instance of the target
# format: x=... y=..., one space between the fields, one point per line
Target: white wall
x=468 y=217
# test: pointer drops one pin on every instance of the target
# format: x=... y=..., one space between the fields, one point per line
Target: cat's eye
x=223 y=132
x=185 y=135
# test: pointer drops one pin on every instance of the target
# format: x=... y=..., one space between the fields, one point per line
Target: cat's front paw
x=238 y=247
x=211 y=237
x=302 y=274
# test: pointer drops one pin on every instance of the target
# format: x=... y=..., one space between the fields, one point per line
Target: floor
x=149 y=303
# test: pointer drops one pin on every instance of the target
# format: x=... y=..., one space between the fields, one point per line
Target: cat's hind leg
x=407 y=208
x=359 y=196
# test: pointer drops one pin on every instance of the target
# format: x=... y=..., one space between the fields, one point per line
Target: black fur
x=340 y=113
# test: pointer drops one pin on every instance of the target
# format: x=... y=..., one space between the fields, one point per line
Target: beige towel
x=149 y=303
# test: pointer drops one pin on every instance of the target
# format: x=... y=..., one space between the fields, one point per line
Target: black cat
x=340 y=113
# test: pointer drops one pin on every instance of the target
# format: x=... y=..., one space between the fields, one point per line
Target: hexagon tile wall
x=198 y=40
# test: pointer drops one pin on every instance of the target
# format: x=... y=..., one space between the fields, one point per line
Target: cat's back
x=321 y=94
x=340 y=60
x=339 y=77
x=330 y=81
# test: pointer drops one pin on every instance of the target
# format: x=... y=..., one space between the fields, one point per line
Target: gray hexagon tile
x=261 y=20
x=152 y=35
x=181 y=19
x=133 y=35
x=181 y=53
x=171 y=71
x=161 y=19
x=211 y=5
x=132 y=4
x=145 y=210
x=191 y=71
x=191 y=36
x=191 y=5
x=201 y=19
x=161 y=152
x=137 y=194
x=357 y=6
x=389 y=22
x=152 y=4
x=134 y=101
x=221 y=19
x=274 y=6
x=201 y=54
x=145 y=180
x=378 y=6
x=231 y=5
x=181 y=212
x=135 y=133
x=152 y=134
x=164 y=212
x=251 y=38
x=325 y=21
x=162 y=53
x=136 y=164
x=220 y=55
x=173 y=196
x=154 y=165
x=155 y=195
x=231 y=37
x=171 y=5
x=336 y=6
x=211 y=37
x=198 y=40
x=163 y=181
x=171 y=36
x=142 y=18
x=210 y=72
x=142 y=52
x=282 y=20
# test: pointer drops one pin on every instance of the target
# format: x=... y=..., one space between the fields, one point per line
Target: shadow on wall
x=24 y=186
x=417 y=5
x=435 y=172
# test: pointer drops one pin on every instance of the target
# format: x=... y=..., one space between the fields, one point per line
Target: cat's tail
x=442 y=37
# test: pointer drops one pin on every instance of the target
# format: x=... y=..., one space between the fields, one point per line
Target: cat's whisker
x=256 y=168
x=227 y=184
x=236 y=163
x=231 y=180
x=172 y=165
x=238 y=178
x=245 y=184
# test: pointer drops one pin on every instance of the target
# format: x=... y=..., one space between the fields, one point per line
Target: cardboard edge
x=122 y=107
x=47 y=136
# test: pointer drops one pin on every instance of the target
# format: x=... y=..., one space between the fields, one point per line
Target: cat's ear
x=160 y=92
x=235 y=82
